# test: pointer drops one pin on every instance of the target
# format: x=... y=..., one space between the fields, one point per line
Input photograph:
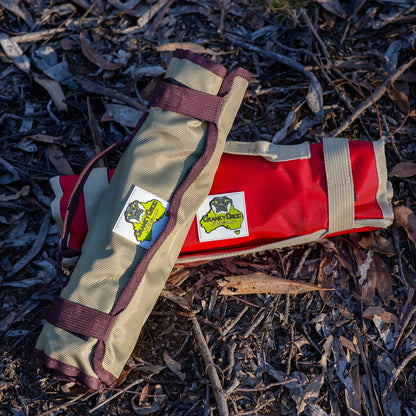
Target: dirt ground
x=75 y=77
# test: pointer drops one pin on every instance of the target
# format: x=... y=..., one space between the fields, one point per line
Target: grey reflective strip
x=340 y=185
x=270 y=151
x=94 y=187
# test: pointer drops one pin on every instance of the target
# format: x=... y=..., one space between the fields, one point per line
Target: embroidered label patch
x=143 y=218
x=222 y=216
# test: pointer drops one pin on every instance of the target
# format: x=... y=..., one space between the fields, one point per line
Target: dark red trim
x=78 y=188
x=212 y=66
x=188 y=102
x=67 y=372
x=97 y=364
x=80 y=319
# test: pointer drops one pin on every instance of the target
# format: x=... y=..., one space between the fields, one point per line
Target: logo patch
x=222 y=216
x=143 y=218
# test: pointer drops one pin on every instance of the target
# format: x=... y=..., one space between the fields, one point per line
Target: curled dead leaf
x=54 y=90
x=406 y=218
x=93 y=56
x=404 y=170
x=399 y=98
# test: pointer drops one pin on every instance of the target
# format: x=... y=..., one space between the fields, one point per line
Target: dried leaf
x=405 y=217
x=307 y=393
x=34 y=250
x=353 y=397
x=122 y=114
x=11 y=176
x=93 y=56
x=334 y=7
x=174 y=366
x=16 y=8
x=404 y=170
x=262 y=283
x=45 y=138
x=54 y=90
x=149 y=71
x=56 y=156
x=384 y=284
x=387 y=317
x=315 y=98
x=23 y=192
x=15 y=53
x=150 y=13
x=291 y=119
x=325 y=275
x=399 y=98
x=194 y=47
x=374 y=242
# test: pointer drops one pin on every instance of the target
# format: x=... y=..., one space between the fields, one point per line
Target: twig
x=210 y=369
x=276 y=56
x=36 y=36
x=315 y=33
x=396 y=374
x=135 y=382
x=108 y=92
x=378 y=93
x=256 y=409
x=231 y=325
x=269 y=386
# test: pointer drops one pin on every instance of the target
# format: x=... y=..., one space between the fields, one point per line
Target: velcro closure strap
x=80 y=319
x=340 y=184
x=271 y=152
x=188 y=102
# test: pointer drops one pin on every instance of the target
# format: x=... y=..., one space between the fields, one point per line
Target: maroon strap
x=188 y=102
x=80 y=319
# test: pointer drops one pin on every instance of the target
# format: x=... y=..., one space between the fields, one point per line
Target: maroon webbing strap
x=188 y=102
x=80 y=319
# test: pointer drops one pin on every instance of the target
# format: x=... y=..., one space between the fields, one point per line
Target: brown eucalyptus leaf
x=194 y=47
x=405 y=217
x=17 y=9
x=56 y=156
x=174 y=366
x=334 y=7
x=93 y=56
x=262 y=283
x=404 y=170
x=15 y=53
x=399 y=98
x=54 y=90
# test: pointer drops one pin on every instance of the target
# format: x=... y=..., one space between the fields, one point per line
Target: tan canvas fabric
x=161 y=158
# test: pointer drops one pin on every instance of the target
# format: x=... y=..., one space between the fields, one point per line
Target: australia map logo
x=222 y=217
x=142 y=218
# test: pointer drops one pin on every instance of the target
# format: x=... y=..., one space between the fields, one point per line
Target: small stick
x=116 y=394
x=108 y=92
x=232 y=324
x=378 y=93
x=396 y=374
x=315 y=33
x=211 y=369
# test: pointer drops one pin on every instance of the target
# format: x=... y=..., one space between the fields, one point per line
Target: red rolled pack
x=265 y=196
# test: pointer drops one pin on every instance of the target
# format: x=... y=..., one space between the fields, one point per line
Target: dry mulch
x=73 y=78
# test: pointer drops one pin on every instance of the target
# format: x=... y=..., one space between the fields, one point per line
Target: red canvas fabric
x=283 y=199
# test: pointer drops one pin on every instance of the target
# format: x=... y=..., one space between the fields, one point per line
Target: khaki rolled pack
x=141 y=222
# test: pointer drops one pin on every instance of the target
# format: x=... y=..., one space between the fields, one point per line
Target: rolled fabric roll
x=141 y=222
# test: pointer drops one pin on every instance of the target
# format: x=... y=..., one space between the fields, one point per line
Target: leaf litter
x=323 y=329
